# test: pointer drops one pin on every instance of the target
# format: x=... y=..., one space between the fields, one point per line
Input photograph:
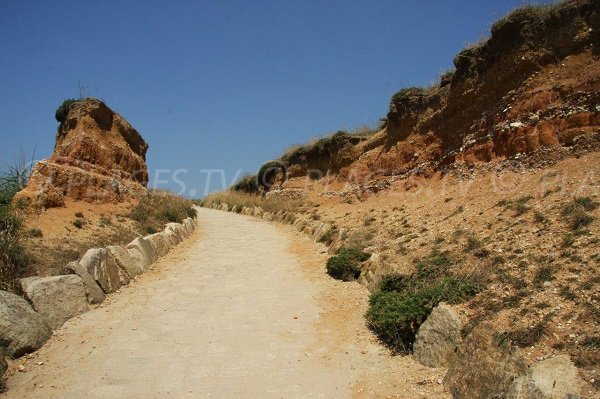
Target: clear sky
x=222 y=84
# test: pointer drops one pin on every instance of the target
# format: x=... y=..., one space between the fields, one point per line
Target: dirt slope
x=231 y=313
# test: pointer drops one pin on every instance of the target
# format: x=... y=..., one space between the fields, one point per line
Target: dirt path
x=242 y=310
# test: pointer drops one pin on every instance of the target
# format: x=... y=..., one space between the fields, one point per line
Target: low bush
x=576 y=212
x=544 y=273
x=393 y=282
x=267 y=173
x=346 y=264
x=402 y=303
x=396 y=315
x=63 y=110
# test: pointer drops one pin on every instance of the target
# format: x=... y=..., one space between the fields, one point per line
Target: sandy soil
x=243 y=309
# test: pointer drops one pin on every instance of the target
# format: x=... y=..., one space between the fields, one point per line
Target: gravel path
x=242 y=309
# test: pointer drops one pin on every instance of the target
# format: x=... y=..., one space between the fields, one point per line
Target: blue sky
x=222 y=84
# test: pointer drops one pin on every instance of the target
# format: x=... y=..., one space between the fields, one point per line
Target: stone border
x=26 y=326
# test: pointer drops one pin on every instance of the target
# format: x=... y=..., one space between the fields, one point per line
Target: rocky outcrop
x=485 y=365
x=56 y=298
x=554 y=378
x=22 y=330
x=98 y=157
x=515 y=93
x=438 y=337
x=329 y=154
x=520 y=92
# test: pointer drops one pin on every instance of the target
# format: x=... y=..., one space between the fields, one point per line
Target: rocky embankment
x=26 y=324
x=532 y=86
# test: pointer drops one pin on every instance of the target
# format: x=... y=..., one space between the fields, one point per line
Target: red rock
x=98 y=157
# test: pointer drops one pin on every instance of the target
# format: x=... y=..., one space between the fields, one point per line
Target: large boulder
x=22 y=330
x=554 y=378
x=438 y=337
x=338 y=241
x=170 y=237
x=121 y=258
x=178 y=229
x=159 y=243
x=322 y=232
x=107 y=274
x=56 y=298
x=485 y=365
x=93 y=291
x=145 y=248
x=190 y=225
x=98 y=157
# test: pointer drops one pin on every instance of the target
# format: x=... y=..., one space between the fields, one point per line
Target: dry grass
x=159 y=207
x=14 y=259
x=270 y=204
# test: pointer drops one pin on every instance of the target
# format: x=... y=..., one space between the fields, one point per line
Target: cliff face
x=533 y=85
x=98 y=157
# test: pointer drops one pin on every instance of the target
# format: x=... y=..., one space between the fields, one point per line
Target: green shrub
x=78 y=223
x=346 y=264
x=191 y=212
x=396 y=316
x=435 y=264
x=402 y=303
x=407 y=91
x=393 y=282
x=472 y=243
x=576 y=214
x=267 y=172
x=545 y=273
x=63 y=110
x=539 y=217
x=170 y=215
x=150 y=230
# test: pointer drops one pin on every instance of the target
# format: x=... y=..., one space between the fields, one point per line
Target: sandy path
x=242 y=310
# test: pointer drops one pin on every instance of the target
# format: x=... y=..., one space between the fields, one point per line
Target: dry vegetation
x=44 y=243
x=268 y=203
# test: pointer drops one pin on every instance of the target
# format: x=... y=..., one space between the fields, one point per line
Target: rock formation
x=98 y=157
x=533 y=85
